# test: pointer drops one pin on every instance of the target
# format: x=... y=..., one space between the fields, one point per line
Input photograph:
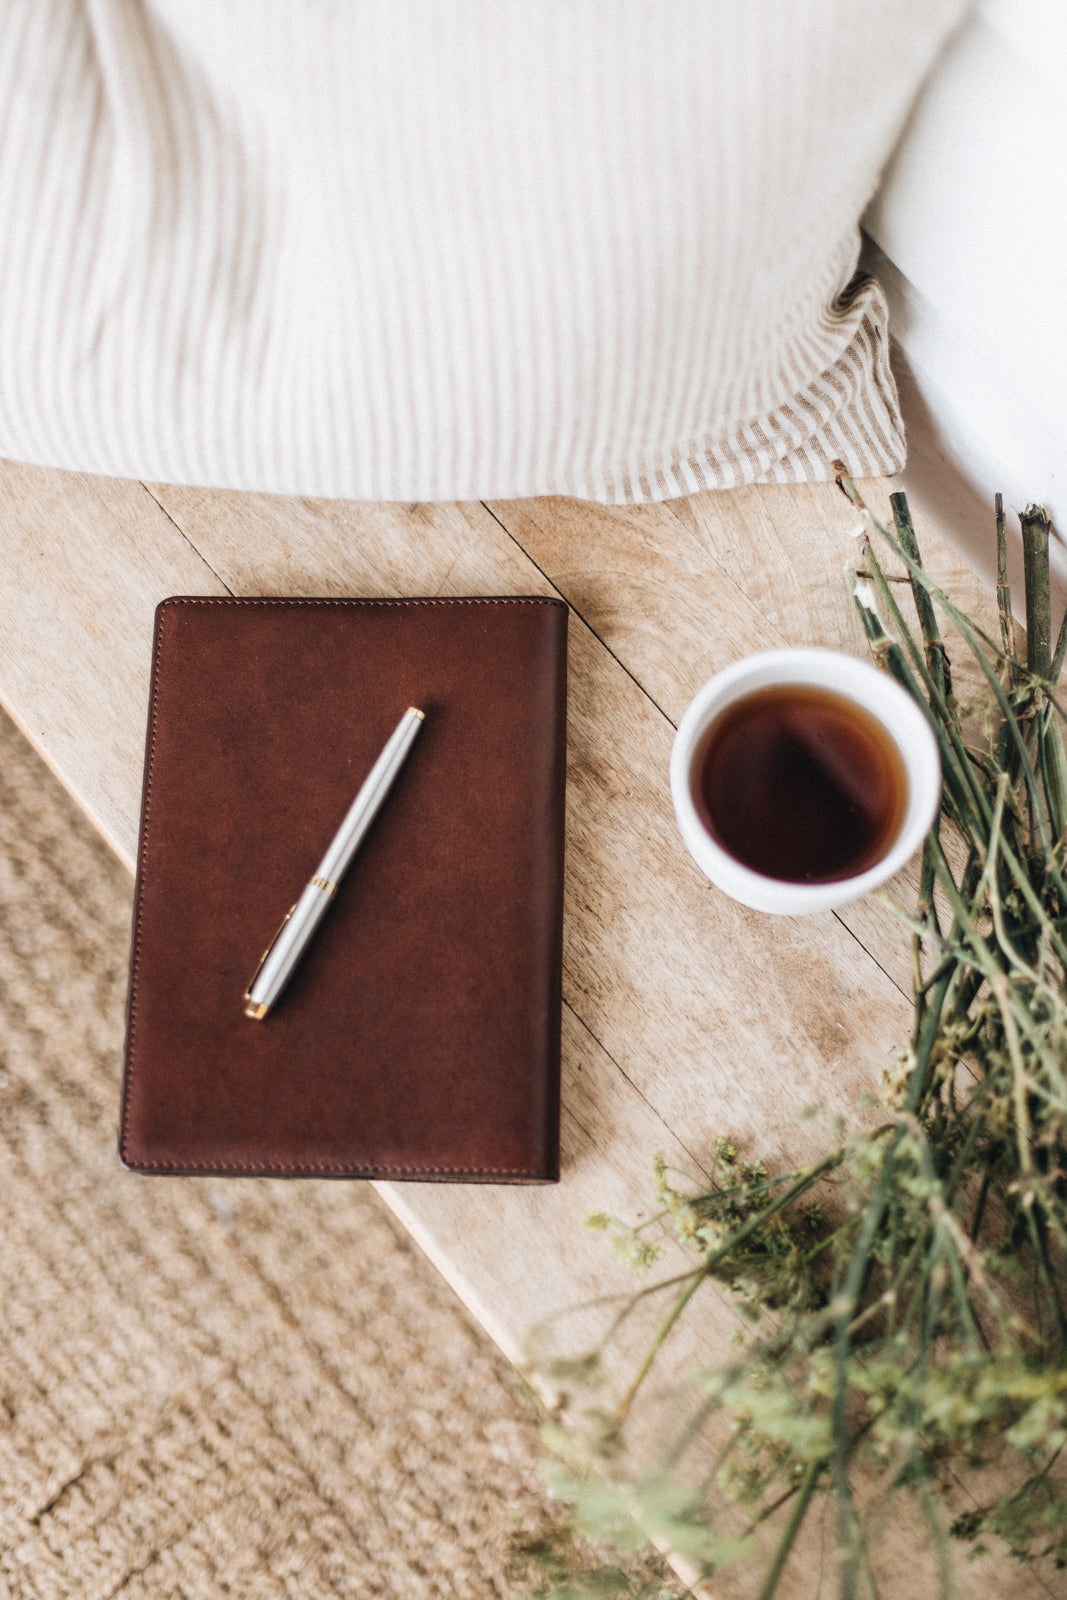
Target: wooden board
x=686 y=1016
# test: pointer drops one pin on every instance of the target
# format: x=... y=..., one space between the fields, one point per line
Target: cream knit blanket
x=404 y=249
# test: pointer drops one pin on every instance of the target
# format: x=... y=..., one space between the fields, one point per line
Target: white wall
x=969 y=237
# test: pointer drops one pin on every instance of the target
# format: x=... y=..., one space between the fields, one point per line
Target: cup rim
x=854 y=679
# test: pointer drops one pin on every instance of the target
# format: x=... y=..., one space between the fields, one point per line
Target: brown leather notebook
x=419 y=1035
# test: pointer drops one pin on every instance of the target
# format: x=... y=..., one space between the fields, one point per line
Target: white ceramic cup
x=852 y=679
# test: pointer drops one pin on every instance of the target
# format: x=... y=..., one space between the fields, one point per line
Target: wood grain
x=686 y=1016
x=677 y=591
x=682 y=987
x=83 y=562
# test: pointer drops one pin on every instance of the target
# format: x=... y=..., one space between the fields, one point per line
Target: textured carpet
x=240 y=1388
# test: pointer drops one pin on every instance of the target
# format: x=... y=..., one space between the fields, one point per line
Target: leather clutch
x=419 y=1035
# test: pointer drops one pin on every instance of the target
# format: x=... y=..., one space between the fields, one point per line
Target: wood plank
x=271 y=544
x=658 y=1036
x=683 y=990
x=83 y=562
x=681 y=987
x=686 y=1015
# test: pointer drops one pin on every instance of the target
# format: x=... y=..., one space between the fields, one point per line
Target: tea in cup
x=801 y=779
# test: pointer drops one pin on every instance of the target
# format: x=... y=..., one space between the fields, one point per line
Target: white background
x=969 y=234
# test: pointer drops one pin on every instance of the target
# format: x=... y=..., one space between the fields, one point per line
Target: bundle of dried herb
x=916 y=1334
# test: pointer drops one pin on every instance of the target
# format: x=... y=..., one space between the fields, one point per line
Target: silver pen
x=293 y=937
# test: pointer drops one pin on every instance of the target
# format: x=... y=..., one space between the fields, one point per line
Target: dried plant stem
x=622 y=1410
x=1035 y=523
x=1007 y=619
x=931 y=634
x=785 y=1545
x=894 y=1333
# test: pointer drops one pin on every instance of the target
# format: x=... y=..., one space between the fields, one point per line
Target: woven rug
x=243 y=1388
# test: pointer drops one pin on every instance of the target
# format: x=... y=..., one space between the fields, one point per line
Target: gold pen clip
x=260 y=1011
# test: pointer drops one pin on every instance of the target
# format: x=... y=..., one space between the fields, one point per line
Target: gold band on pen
x=323 y=883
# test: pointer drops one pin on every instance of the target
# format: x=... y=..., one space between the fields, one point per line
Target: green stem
x=808 y=1486
x=953 y=612
x=990 y=881
x=1036 y=523
x=1012 y=1004
x=944 y=720
x=847 y=1300
x=1007 y=620
x=960 y=781
x=1060 y=651
x=975 y=639
x=805 y=1180
x=937 y=1533
x=933 y=647
x=623 y=1408
x=1053 y=769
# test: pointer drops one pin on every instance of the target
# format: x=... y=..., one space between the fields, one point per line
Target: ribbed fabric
x=402 y=249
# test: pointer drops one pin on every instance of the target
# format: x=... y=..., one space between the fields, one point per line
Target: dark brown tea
x=802 y=784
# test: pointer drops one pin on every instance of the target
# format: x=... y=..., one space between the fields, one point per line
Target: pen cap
x=365 y=806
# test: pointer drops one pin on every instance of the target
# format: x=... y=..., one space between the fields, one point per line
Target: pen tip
x=413 y=711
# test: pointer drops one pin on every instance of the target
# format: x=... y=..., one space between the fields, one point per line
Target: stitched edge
x=262 y=1168
x=281 y=1168
x=142 y=852
x=345 y=600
